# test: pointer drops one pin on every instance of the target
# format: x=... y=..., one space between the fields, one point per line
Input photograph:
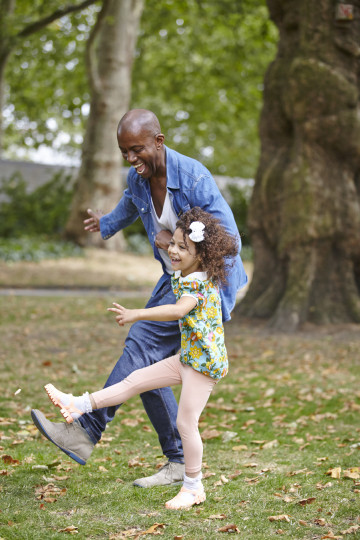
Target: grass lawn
x=281 y=434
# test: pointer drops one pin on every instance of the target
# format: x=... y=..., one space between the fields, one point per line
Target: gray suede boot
x=171 y=473
x=72 y=439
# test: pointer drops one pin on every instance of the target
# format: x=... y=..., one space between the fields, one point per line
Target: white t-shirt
x=167 y=221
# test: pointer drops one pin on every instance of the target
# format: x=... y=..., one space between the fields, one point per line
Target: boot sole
x=42 y=430
x=155 y=485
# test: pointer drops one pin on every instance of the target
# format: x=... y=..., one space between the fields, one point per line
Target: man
x=162 y=184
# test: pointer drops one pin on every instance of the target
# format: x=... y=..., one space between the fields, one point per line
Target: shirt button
x=142 y=209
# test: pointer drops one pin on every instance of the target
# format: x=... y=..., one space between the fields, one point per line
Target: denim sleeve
x=124 y=214
x=207 y=195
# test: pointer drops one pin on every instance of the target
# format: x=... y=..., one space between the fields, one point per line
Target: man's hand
x=92 y=224
x=162 y=239
x=123 y=315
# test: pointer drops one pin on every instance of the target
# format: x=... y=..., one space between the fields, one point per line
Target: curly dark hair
x=218 y=249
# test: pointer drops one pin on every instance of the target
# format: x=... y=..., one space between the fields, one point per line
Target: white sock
x=192 y=483
x=81 y=402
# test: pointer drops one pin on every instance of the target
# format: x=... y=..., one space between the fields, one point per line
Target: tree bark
x=304 y=216
x=109 y=59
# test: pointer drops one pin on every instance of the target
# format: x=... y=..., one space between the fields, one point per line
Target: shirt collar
x=202 y=276
x=172 y=169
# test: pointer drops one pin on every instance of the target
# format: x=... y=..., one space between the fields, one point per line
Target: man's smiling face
x=142 y=150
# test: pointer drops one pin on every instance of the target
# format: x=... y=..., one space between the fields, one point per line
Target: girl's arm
x=168 y=312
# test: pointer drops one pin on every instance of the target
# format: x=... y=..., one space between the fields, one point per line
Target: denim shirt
x=189 y=184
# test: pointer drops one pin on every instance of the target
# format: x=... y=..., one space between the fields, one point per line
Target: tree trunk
x=110 y=58
x=304 y=216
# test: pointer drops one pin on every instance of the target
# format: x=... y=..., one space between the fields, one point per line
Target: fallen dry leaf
x=334 y=473
x=239 y=448
x=270 y=444
x=210 y=434
x=229 y=528
x=353 y=473
x=353 y=529
x=330 y=535
x=130 y=422
x=282 y=517
x=320 y=521
x=136 y=462
x=71 y=529
x=235 y=474
x=303 y=523
x=320 y=486
x=254 y=480
x=218 y=516
x=295 y=473
x=49 y=493
x=310 y=500
x=9 y=460
x=208 y=474
x=153 y=529
x=124 y=534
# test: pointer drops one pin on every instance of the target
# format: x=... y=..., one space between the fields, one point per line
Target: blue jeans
x=147 y=342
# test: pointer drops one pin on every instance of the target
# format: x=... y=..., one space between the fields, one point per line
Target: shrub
x=43 y=211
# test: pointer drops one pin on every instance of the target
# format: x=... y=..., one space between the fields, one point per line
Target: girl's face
x=183 y=257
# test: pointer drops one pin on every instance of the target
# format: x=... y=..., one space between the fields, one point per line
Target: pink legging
x=195 y=392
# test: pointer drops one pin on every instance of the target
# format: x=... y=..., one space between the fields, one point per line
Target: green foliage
x=46 y=79
x=198 y=65
x=29 y=248
x=43 y=211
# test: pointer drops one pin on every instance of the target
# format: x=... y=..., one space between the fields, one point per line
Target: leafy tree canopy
x=199 y=65
x=47 y=93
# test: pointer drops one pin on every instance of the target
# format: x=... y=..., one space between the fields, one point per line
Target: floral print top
x=202 y=332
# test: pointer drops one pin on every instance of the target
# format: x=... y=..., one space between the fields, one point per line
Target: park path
x=74 y=292
x=43 y=292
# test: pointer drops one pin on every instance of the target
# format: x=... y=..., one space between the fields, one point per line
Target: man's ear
x=159 y=140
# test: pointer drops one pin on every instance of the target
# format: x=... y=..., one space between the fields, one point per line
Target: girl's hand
x=123 y=315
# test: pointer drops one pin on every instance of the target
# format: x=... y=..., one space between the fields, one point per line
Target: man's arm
x=168 y=312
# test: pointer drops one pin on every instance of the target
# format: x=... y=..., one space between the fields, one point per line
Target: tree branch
x=90 y=54
x=57 y=14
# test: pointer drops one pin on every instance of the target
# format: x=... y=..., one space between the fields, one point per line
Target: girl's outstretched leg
x=162 y=374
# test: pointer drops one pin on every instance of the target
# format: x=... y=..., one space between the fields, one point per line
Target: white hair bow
x=197 y=231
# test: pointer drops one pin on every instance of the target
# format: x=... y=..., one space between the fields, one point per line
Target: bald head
x=142 y=144
x=139 y=121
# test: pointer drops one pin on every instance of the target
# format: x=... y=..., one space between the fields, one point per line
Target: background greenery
x=199 y=66
x=32 y=223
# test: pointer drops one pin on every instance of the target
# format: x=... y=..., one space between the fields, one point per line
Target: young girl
x=201 y=252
